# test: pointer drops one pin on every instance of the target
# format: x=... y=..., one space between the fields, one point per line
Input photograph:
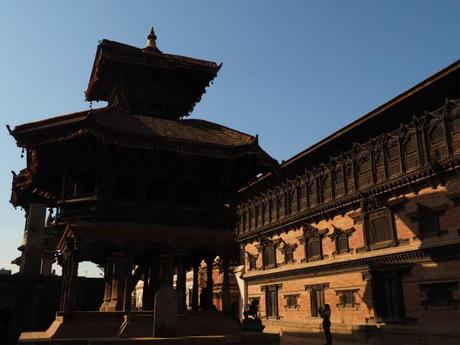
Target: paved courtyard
x=292 y=340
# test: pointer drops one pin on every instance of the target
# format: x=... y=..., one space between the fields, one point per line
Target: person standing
x=325 y=313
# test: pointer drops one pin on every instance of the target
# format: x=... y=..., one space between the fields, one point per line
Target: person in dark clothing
x=252 y=309
x=325 y=313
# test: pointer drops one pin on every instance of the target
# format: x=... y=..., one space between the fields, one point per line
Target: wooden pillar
x=127 y=286
x=195 y=286
x=181 y=282
x=69 y=278
x=118 y=283
x=108 y=277
x=146 y=291
x=47 y=264
x=209 y=282
x=225 y=284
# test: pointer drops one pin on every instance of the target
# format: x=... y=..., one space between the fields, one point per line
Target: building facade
x=367 y=220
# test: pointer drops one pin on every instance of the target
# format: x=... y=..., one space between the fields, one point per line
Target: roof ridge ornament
x=152 y=42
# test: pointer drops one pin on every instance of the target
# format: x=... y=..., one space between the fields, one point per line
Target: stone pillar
x=225 y=284
x=209 y=282
x=181 y=283
x=69 y=277
x=108 y=277
x=195 y=286
x=47 y=264
x=121 y=267
x=165 y=308
x=33 y=236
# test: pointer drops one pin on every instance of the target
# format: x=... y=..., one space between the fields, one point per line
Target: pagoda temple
x=134 y=187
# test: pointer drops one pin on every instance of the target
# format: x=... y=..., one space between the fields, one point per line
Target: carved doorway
x=388 y=295
x=271 y=301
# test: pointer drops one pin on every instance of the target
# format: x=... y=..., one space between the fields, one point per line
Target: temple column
x=33 y=239
x=181 y=282
x=108 y=277
x=195 y=286
x=118 y=283
x=47 y=263
x=69 y=277
x=225 y=284
x=127 y=286
x=209 y=282
x=146 y=289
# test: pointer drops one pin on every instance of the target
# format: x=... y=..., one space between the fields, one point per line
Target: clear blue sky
x=294 y=71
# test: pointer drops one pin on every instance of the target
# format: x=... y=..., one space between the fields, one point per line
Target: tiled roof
x=116 y=121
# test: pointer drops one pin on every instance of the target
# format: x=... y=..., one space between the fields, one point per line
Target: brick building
x=367 y=220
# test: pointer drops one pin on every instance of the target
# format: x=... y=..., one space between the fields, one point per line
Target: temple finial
x=152 y=41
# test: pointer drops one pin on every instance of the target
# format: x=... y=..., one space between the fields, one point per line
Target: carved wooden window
x=250 y=219
x=394 y=161
x=456 y=134
x=411 y=158
x=292 y=201
x=157 y=191
x=364 y=171
x=252 y=262
x=347 y=298
x=270 y=209
x=314 y=250
x=379 y=166
x=439 y=294
x=327 y=187
x=188 y=192
x=291 y=301
x=126 y=187
x=269 y=255
x=313 y=193
x=379 y=228
x=300 y=195
x=427 y=219
x=339 y=185
x=288 y=254
x=287 y=203
x=263 y=213
x=256 y=216
x=350 y=178
x=85 y=183
x=341 y=243
x=438 y=147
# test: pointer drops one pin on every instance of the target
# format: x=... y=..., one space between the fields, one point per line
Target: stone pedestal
x=165 y=307
x=33 y=239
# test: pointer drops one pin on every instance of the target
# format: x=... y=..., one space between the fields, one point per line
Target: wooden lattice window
x=269 y=255
x=394 y=161
x=338 y=179
x=316 y=298
x=288 y=254
x=252 y=262
x=126 y=187
x=411 y=158
x=341 y=243
x=347 y=298
x=437 y=142
x=427 y=219
x=379 y=228
x=364 y=170
x=158 y=191
x=291 y=301
x=439 y=294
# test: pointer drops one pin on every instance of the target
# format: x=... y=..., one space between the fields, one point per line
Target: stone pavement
x=292 y=340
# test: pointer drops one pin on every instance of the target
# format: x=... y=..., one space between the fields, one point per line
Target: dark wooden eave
x=117 y=65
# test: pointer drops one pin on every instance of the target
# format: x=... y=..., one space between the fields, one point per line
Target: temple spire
x=152 y=42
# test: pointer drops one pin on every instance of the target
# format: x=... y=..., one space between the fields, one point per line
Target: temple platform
x=202 y=328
